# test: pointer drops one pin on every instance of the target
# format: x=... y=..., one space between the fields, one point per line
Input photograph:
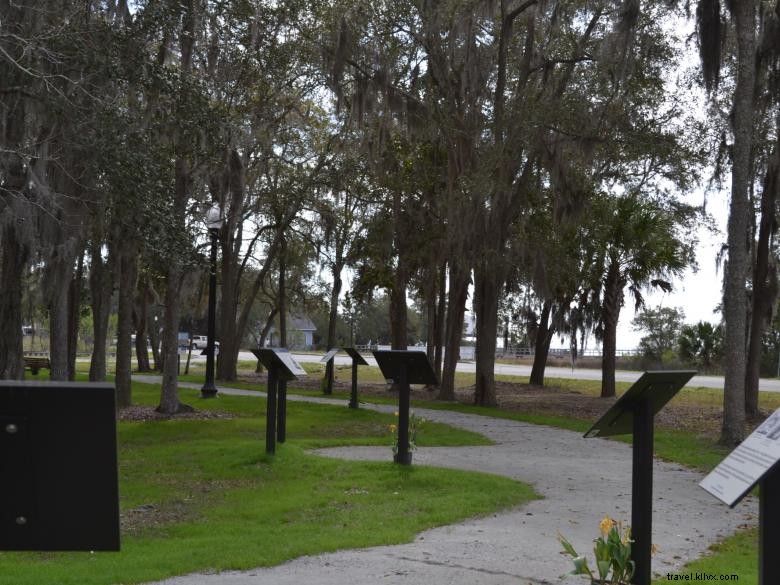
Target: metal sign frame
x=355 y=355
x=281 y=368
x=633 y=413
x=404 y=367
x=357 y=360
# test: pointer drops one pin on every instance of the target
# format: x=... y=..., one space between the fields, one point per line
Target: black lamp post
x=214 y=223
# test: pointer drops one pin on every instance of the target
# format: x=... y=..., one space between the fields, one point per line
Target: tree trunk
x=765 y=284
x=230 y=194
x=269 y=322
x=333 y=315
x=74 y=316
x=441 y=315
x=487 y=284
x=140 y=316
x=506 y=335
x=456 y=307
x=128 y=267
x=13 y=256
x=14 y=251
x=154 y=340
x=229 y=340
x=609 y=346
x=734 y=296
x=542 y=342
x=335 y=292
x=101 y=288
x=398 y=324
x=169 y=393
x=398 y=320
x=283 y=292
x=613 y=300
x=429 y=291
x=60 y=274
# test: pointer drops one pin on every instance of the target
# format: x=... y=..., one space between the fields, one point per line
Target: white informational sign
x=329 y=356
x=288 y=360
x=745 y=465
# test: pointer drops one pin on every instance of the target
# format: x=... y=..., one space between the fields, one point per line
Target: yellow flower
x=392 y=428
x=606 y=525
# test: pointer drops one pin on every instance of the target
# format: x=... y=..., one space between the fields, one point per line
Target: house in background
x=300 y=333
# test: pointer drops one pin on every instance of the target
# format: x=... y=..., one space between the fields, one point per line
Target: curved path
x=580 y=481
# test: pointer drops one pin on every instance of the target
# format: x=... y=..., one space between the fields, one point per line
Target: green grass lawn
x=202 y=495
x=735 y=555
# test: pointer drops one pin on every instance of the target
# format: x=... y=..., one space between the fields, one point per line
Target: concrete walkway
x=580 y=481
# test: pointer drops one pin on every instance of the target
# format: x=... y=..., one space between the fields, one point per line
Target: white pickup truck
x=200 y=342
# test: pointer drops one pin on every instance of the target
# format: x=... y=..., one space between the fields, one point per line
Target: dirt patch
x=152 y=516
x=553 y=401
x=566 y=403
x=148 y=413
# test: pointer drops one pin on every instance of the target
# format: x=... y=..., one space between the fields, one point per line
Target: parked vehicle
x=200 y=342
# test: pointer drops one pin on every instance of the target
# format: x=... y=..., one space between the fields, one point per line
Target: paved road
x=580 y=481
x=765 y=385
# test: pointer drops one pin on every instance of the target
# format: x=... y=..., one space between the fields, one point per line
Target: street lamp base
x=209 y=390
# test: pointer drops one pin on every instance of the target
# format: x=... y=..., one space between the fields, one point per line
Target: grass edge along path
x=734 y=556
x=226 y=505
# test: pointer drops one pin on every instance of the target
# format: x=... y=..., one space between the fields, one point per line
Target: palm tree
x=633 y=242
x=700 y=343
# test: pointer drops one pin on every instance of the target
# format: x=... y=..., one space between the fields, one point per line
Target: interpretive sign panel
x=278 y=356
x=58 y=464
x=329 y=356
x=418 y=368
x=744 y=467
x=355 y=355
x=289 y=362
x=657 y=387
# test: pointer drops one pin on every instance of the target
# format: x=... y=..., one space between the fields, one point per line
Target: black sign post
x=281 y=409
x=404 y=367
x=281 y=368
x=58 y=464
x=756 y=461
x=328 y=359
x=357 y=360
x=634 y=413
